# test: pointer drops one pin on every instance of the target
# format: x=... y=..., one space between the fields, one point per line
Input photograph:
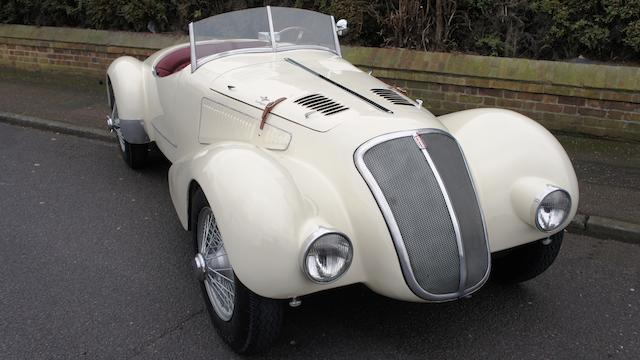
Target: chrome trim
x=206 y=59
x=335 y=36
x=199 y=267
x=352 y=92
x=320 y=232
x=484 y=279
x=272 y=34
x=396 y=236
x=265 y=50
x=536 y=206
x=305 y=47
x=452 y=215
x=192 y=41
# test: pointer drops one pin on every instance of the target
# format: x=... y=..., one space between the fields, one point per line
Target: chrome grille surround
x=411 y=278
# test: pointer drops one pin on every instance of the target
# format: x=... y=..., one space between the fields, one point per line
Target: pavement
x=95 y=265
x=608 y=171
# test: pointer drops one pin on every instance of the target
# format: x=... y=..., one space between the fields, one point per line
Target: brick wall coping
x=586 y=76
x=92 y=37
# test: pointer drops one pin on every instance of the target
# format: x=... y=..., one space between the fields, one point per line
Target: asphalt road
x=94 y=264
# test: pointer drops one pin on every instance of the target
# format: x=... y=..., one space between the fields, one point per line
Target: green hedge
x=544 y=29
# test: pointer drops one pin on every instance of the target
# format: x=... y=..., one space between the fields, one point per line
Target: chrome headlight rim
x=311 y=239
x=538 y=203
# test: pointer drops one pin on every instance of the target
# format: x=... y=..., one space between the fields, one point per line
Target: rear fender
x=125 y=79
x=512 y=159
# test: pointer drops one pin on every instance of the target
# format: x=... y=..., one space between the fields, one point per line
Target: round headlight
x=327 y=256
x=553 y=209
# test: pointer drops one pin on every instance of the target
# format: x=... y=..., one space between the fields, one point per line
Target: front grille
x=430 y=206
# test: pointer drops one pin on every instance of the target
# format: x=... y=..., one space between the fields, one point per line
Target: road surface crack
x=140 y=349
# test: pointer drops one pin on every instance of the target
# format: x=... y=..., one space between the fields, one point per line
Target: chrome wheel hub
x=213 y=267
x=113 y=123
x=199 y=267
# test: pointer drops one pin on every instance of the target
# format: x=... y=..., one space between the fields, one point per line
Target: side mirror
x=341 y=27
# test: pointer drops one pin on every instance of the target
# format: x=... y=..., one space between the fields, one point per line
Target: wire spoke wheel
x=246 y=321
x=219 y=279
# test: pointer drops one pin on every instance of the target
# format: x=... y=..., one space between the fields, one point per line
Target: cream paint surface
x=269 y=190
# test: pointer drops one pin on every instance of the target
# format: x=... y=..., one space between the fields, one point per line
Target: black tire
x=527 y=261
x=135 y=155
x=256 y=321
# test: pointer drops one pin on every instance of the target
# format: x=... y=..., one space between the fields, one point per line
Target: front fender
x=261 y=214
x=511 y=158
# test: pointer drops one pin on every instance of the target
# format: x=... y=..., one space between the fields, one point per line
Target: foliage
x=600 y=29
x=548 y=29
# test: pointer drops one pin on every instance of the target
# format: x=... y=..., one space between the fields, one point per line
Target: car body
x=289 y=142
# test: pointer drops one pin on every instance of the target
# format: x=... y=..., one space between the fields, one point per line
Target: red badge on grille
x=419 y=142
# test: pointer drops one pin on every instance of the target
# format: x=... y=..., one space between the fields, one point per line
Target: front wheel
x=246 y=321
x=527 y=261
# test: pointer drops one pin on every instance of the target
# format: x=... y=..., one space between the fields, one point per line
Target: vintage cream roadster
x=297 y=172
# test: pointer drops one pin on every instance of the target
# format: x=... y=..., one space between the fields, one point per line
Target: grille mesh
x=321 y=104
x=418 y=206
x=450 y=163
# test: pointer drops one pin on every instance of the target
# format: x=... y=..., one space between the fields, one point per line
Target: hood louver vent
x=321 y=104
x=392 y=96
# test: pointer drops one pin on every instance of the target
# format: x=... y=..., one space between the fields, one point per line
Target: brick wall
x=581 y=98
x=590 y=99
x=78 y=50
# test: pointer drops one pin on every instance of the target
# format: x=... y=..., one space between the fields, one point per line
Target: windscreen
x=249 y=30
x=302 y=28
x=237 y=30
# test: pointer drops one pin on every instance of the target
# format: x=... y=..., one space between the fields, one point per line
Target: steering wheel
x=300 y=32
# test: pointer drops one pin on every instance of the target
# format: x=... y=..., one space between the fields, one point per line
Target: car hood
x=260 y=83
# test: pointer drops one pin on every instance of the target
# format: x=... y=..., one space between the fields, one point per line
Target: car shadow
x=332 y=322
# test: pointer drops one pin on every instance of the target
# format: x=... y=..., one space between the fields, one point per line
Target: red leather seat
x=173 y=62
x=180 y=58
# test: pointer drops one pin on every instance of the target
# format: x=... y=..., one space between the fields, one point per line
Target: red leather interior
x=180 y=58
x=173 y=62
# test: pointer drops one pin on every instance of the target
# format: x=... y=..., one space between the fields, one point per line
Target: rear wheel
x=246 y=321
x=135 y=155
x=527 y=261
